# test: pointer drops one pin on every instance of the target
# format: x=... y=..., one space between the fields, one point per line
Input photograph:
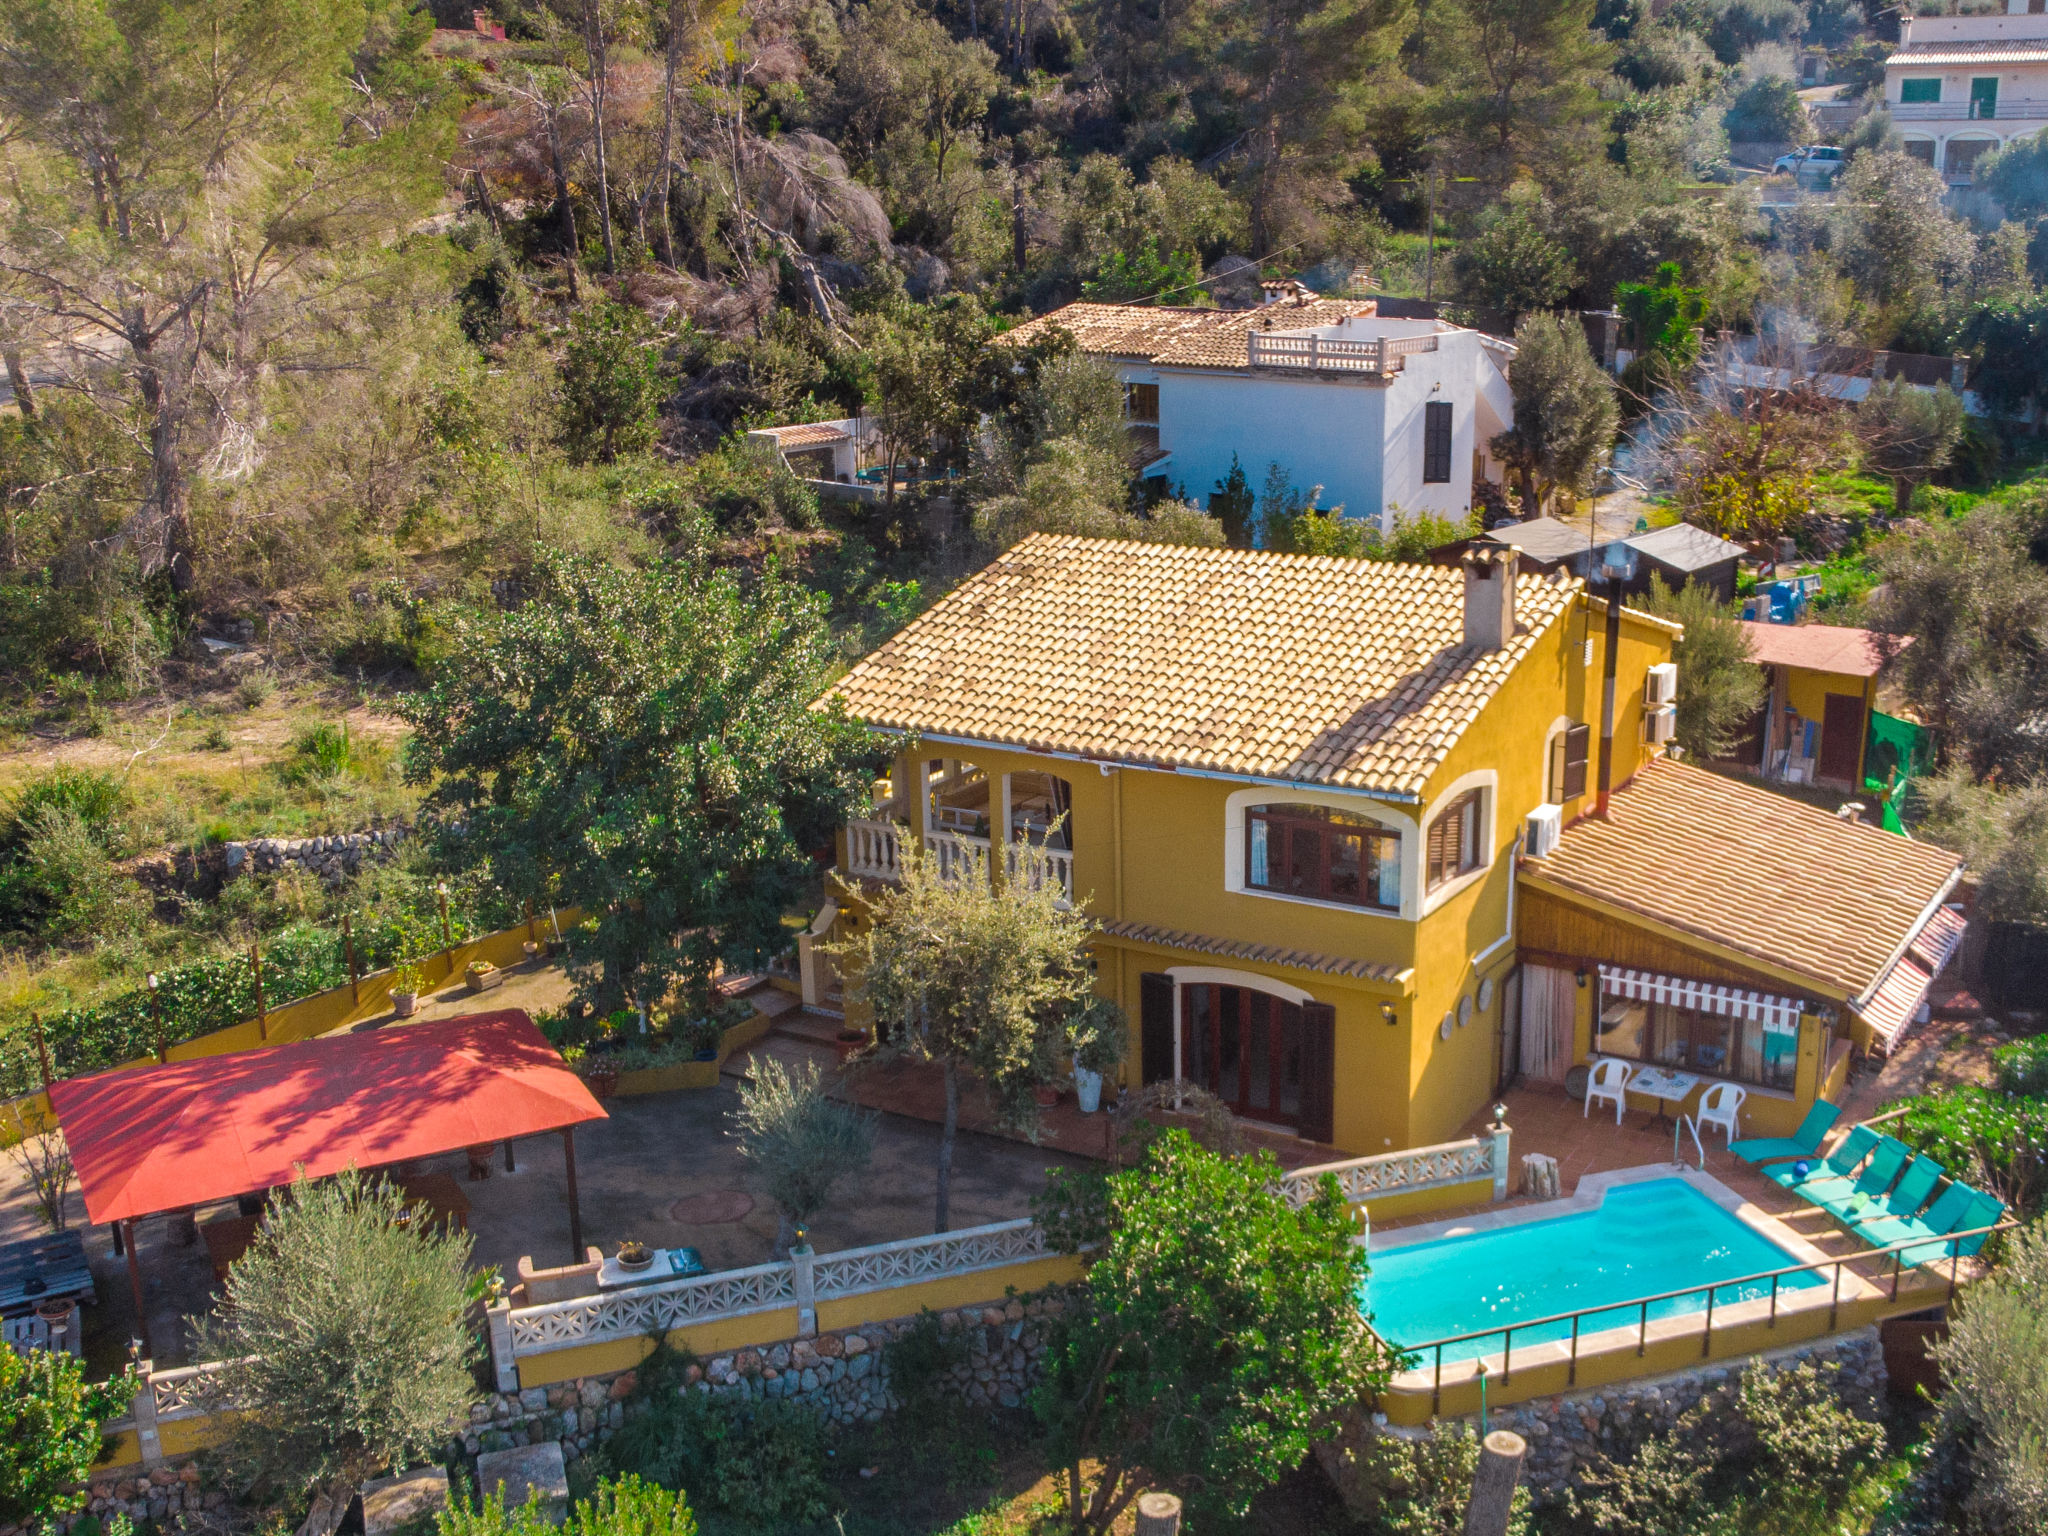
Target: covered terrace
x=165 y=1140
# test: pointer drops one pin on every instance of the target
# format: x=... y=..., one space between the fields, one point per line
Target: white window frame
x=1487 y=781
x=1396 y=821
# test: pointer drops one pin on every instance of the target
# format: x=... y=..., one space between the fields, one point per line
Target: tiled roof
x=1817 y=647
x=2013 y=50
x=1196 y=338
x=1755 y=872
x=1351 y=673
x=1233 y=949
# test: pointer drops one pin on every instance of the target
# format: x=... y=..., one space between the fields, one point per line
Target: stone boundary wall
x=332 y=858
x=1569 y=1431
x=841 y=1374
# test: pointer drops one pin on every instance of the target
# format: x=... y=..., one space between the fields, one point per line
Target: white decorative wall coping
x=1393 y=1173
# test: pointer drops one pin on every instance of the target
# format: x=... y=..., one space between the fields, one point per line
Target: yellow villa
x=1354 y=851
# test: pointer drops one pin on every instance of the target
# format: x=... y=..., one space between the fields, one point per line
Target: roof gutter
x=1919 y=924
x=1393 y=796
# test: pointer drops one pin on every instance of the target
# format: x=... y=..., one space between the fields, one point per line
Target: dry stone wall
x=332 y=858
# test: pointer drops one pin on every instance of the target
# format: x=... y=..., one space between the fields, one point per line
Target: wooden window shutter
x=1578 y=747
x=1155 y=1027
x=1440 y=861
x=1318 y=1071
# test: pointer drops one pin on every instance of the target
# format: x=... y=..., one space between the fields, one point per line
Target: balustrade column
x=803 y=1261
x=1500 y=1135
x=498 y=1319
x=148 y=1440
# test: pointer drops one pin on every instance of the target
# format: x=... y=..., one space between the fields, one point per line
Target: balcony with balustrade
x=958 y=818
x=1323 y=352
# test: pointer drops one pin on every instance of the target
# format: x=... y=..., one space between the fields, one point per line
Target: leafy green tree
x=1663 y=317
x=343 y=1336
x=1217 y=1335
x=1719 y=687
x=2017 y=175
x=50 y=1418
x=1520 y=80
x=1511 y=266
x=638 y=743
x=611 y=385
x=1908 y=434
x=1896 y=237
x=1144 y=276
x=2000 y=830
x=1974 y=600
x=799 y=1140
x=1420 y=1486
x=1745 y=466
x=1565 y=414
x=1986 y=1472
x=1767 y=110
x=977 y=976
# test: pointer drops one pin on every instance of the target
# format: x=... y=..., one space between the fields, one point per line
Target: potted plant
x=635 y=1256
x=407 y=983
x=1097 y=1032
x=482 y=975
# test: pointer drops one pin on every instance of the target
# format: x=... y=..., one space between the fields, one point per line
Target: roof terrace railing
x=1323 y=354
x=1952 y=1240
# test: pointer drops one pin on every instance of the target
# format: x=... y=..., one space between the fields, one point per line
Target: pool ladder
x=1687 y=1124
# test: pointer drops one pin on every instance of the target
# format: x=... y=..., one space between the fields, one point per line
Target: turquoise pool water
x=1640 y=1240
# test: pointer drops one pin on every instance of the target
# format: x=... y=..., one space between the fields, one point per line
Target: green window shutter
x=1920 y=90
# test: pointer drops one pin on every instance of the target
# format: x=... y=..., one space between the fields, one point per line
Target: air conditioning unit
x=1661 y=687
x=1661 y=723
x=1546 y=822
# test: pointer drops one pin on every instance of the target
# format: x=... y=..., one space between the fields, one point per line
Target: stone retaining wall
x=331 y=858
x=842 y=1375
x=165 y=1496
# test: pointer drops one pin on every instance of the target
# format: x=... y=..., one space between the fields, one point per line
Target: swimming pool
x=1641 y=1239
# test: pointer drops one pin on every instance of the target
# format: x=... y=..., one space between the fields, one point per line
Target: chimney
x=1490 y=595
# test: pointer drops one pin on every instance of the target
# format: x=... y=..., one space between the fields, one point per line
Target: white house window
x=1308 y=850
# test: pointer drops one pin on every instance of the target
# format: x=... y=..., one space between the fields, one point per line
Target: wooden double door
x=1267 y=1057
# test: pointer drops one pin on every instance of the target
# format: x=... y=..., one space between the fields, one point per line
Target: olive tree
x=1719 y=686
x=799 y=1140
x=977 y=977
x=1909 y=434
x=343 y=1336
x=1565 y=412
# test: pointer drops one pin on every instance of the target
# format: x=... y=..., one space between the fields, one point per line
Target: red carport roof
x=157 y=1138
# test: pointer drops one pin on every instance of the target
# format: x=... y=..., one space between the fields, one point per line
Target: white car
x=1813 y=159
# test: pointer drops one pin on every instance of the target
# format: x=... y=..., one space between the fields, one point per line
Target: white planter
x=1088 y=1090
x=403 y=1003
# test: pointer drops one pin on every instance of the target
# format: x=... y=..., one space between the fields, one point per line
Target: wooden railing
x=1384 y=354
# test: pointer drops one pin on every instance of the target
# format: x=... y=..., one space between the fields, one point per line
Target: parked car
x=1811 y=160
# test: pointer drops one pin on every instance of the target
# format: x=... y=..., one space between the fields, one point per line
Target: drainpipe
x=1607 y=669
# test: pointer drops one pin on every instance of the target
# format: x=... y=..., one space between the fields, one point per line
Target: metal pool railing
x=1642 y=1305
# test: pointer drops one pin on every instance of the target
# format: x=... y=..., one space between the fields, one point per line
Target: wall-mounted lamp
x=1387 y=1012
x=1580 y=977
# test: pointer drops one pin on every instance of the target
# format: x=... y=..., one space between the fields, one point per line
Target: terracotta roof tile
x=1196 y=338
x=1295 y=667
x=1754 y=871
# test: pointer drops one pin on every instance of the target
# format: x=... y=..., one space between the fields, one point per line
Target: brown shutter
x=1318 y=1071
x=1439 y=843
x=1578 y=747
x=1155 y=1027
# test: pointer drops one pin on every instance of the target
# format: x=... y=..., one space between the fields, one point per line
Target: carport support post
x=575 y=1207
x=508 y=1156
x=262 y=1013
x=127 y=1231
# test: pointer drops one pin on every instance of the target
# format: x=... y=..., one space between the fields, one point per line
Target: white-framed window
x=1457 y=842
x=1322 y=847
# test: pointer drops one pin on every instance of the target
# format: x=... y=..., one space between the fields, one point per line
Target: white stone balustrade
x=874 y=850
x=956 y=856
x=1390 y=1173
x=1326 y=354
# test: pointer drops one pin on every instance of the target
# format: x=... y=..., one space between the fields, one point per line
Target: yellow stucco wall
x=1151 y=848
x=1806 y=690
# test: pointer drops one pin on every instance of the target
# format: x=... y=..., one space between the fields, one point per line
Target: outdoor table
x=43 y=1269
x=227 y=1239
x=669 y=1264
x=1664 y=1086
x=441 y=1195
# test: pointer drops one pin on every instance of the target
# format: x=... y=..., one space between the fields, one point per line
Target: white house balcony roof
x=2004 y=50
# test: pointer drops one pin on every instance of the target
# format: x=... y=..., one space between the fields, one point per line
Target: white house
x=1961 y=86
x=1387 y=416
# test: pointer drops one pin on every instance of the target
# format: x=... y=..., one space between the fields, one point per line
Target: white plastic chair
x=1719 y=1106
x=1609 y=1081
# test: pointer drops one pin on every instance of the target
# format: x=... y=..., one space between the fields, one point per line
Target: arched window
x=1323 y=854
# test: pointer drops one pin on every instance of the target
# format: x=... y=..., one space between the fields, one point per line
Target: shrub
x=1419 y=1486
x=96 y=799
x=762 y=1459
x=1992 y=1136
x=320 y=752
x=627 y=1507
x=255 y=690
x=800 y=1141
x=2023 y=1067
x=60 y=884
x=50 y=1418
x=346 y=1335
x=1986 y=1472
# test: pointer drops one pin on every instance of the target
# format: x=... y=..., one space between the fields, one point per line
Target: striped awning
x=1779 y=1014
x=1896 y=1001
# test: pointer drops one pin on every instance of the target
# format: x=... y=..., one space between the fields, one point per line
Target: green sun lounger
x=1984 y=1211
x=1804 y=1142
x=1844 y=1160
x=1949 y=1208
x=1838 y=1197
x=1913 y=1188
